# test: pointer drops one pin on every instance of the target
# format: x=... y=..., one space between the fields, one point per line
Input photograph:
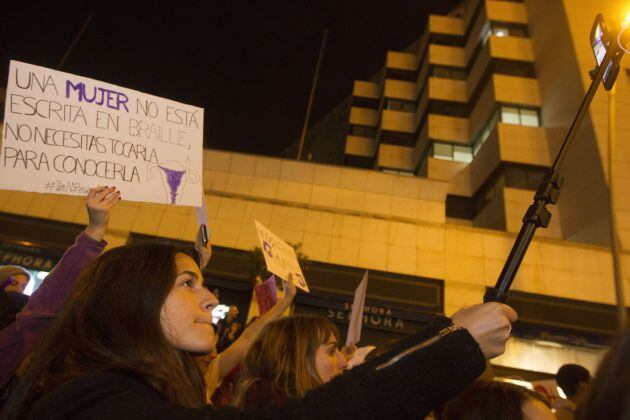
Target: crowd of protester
x=128 y=333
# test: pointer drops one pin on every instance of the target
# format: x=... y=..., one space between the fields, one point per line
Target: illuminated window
x=529 y=117
x=443 y=151
x=500 y=31
x=462 y=154
x=510 y=115
x=520 y=116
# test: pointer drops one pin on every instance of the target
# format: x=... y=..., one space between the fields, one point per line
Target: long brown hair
x=608 y=395
x=111 y=323
x=283 y=355
x=489 y=399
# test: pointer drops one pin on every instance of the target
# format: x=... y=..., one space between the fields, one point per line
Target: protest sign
x=280 y=257
x=356 y=316
x=266 y=294
x=65 y=133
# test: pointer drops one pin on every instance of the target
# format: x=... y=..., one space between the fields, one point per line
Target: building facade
x=483 y=100
x=442 y=158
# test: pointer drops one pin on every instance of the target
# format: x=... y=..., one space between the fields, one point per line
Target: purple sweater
x=22 y=336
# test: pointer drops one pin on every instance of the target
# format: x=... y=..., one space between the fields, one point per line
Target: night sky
x=249 y=64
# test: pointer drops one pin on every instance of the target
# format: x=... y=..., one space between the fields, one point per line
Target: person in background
x=217 y=367
x=10 y=304
x=19 y=338
x=22 y=336
x=488 y=399
x=291 y=356
x=224 y=327
x=573 y=380
x=230 y=335
x=608 y=395
x=14 y=278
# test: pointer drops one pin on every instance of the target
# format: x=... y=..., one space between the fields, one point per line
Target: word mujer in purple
x=100 y=96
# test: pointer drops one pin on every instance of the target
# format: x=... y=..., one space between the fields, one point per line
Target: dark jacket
x=405 y=383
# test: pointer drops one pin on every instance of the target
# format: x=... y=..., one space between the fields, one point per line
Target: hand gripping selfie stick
x=548 y=192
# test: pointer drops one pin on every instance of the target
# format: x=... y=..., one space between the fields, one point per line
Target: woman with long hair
x=124 y=348
x=290 y=357
x=490 y=399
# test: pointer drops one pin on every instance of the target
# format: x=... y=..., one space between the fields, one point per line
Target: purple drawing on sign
x=300 y=280
x=267 y=249
x=174 y=178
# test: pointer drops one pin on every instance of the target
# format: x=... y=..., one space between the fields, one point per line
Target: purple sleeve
x=22 y=336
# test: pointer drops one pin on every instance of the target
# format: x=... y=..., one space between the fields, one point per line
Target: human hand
x=348 y=351
x=204 y=251
x=490 y=325
x=289 y=289
x=99 y=202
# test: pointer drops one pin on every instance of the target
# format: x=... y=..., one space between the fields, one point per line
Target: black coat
x=388 y=387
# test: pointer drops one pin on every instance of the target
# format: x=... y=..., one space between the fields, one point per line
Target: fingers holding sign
x=289 y=288
x=99 y=202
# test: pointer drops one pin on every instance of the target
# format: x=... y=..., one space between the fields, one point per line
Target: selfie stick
x=548 y=192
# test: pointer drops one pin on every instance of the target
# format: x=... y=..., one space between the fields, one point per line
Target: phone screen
x=204 y=235
x=598 y=44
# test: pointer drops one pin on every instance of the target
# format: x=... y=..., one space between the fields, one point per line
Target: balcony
x=365 y=90
x=361 y=146
x=506 y=11
x=447 y=56
x=396 y=157
x=401 y=61
x=511 y=48
x=363 y=116
x=446 y=25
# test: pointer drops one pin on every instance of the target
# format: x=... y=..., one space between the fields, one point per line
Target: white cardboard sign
x=280 y=257
x=356 y=314
x=65 y=134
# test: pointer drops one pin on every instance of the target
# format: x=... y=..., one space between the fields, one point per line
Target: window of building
x=448 y=73
x=500 y=31
x=455 y=152
x=520 y=116
x=529 y=117
x=365 y=102
x=485 y=133
x=400 y=105
x=510 y=115
x=443 y=151
x=462 y=154
x=395 y=172
x=400 y=74
x=398 y=138
x=363 y=131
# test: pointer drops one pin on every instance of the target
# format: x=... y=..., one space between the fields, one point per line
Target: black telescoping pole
x=537 y=214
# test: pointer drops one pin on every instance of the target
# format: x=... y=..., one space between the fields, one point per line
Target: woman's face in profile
x=186 y=315
x=329 y=362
